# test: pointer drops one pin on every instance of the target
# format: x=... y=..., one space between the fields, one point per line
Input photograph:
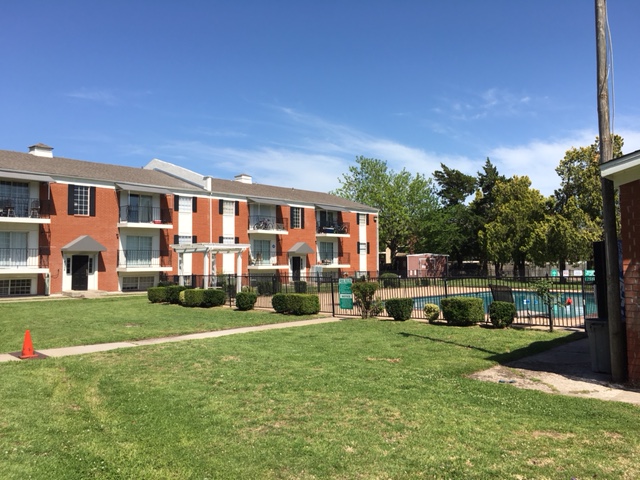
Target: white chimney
x=208 y=183
x=243 y=178
x=41 y=150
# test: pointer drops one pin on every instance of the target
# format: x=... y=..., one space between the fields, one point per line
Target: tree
x=483 y=207
x=455 y=186
x=460 y=226
x=404 y=200
x=579 y=173
x=518 y=211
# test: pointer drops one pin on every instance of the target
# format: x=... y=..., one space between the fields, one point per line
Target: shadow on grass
x=501 y=358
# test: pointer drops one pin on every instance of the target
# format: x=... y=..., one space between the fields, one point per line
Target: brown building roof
x=83 y=170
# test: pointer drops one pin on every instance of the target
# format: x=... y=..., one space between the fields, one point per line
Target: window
x=326 y=252
x=13 y=249
x=229 y=240
x=261 y=252
x=140 y=209
x=362 y=218
x=132 y=284
x=228 y=207
x=296 y=217
x=184 y=239
x=185 y=204
x=81 y=201
x=138 y=251
x=363 y=247
x=15 y=286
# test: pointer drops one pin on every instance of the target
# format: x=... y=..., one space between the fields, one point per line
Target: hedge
x=213 y=297
x=399 y=308
x=502 y=314
x=157 y=294
x=246 y=300
x=462 y=311
x=296 y=303
x=173 y=293
x=390 y=280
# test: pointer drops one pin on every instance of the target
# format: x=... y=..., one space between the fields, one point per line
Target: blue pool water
x=527 y=301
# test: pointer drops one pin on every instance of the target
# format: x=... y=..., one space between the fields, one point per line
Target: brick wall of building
x=630 y=229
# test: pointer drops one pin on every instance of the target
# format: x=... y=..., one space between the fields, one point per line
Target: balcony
x=266 y=224
x=332 y=228
x=152 y=217
x=140 y=260
x=24 y=259
x=331 y=260
x=263 y=260
x=18 y=209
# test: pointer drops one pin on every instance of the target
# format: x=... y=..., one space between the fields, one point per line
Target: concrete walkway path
x=564 y=370
x=103 y=347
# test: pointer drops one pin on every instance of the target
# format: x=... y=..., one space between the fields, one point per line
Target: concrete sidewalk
x=103 y=347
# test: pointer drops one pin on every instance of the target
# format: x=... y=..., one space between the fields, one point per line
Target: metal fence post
x=333 y=305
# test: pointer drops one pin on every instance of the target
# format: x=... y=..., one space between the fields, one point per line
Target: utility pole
x=616 y=327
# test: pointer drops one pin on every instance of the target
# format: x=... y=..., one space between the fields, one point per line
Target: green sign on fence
x=345 y=294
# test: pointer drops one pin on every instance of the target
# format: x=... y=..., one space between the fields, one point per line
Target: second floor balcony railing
x=137 y=214
x=24 y=207
x=24 y=257
x=262 y=222
x=341 y=228
x=332 y=258
x=144 y=258
x=261 y=258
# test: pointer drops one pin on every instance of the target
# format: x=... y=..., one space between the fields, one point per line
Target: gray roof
x=104 y=172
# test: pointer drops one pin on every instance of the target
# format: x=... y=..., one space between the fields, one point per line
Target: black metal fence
x=574 y=297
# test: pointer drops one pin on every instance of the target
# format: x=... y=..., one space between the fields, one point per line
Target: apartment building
x=72 y=225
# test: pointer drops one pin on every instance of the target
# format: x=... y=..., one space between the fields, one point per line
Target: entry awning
x=84 y=243
x=130 y=187
x=266 y=201
x=301 y=248
x=332 y=207
x=26 y=176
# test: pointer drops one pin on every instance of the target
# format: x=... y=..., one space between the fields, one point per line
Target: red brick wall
x=630 y=229
x=102 y=228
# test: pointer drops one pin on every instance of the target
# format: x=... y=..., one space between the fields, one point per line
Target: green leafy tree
x=460 y=226
x=518 y=211
x=483 y=207
x=404 y=200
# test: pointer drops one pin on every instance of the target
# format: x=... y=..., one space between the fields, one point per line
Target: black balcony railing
x=332 y=258
x=143 y=258
x=23 y=207
x=333 y=228
x=24 y=257
x=131 y=214
x=262 y=222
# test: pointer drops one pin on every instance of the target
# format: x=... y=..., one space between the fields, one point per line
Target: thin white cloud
x=96 y=95
x=493 y=102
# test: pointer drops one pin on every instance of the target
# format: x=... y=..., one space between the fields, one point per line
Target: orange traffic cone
x=27 y=347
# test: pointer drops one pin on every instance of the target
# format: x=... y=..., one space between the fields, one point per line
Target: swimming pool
x=527 y=301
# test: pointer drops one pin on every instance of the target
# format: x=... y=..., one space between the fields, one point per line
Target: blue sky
x=291 y=92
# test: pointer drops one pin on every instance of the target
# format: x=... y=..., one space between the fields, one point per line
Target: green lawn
x=63 y=323
x=361 y=399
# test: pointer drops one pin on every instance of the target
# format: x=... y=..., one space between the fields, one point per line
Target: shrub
x=246 y=300
x=390 y=280
x=300 y=286
x=502 y=314
x=173 y=293
x=363 y=293
x=296 y=303
x=303 y=304
x=377 y=307
x=462 y=311
x=280 y=303
x=431 y=312
x=192 y=297
x=213 y=297
x=399 y=308
x=157 y=294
